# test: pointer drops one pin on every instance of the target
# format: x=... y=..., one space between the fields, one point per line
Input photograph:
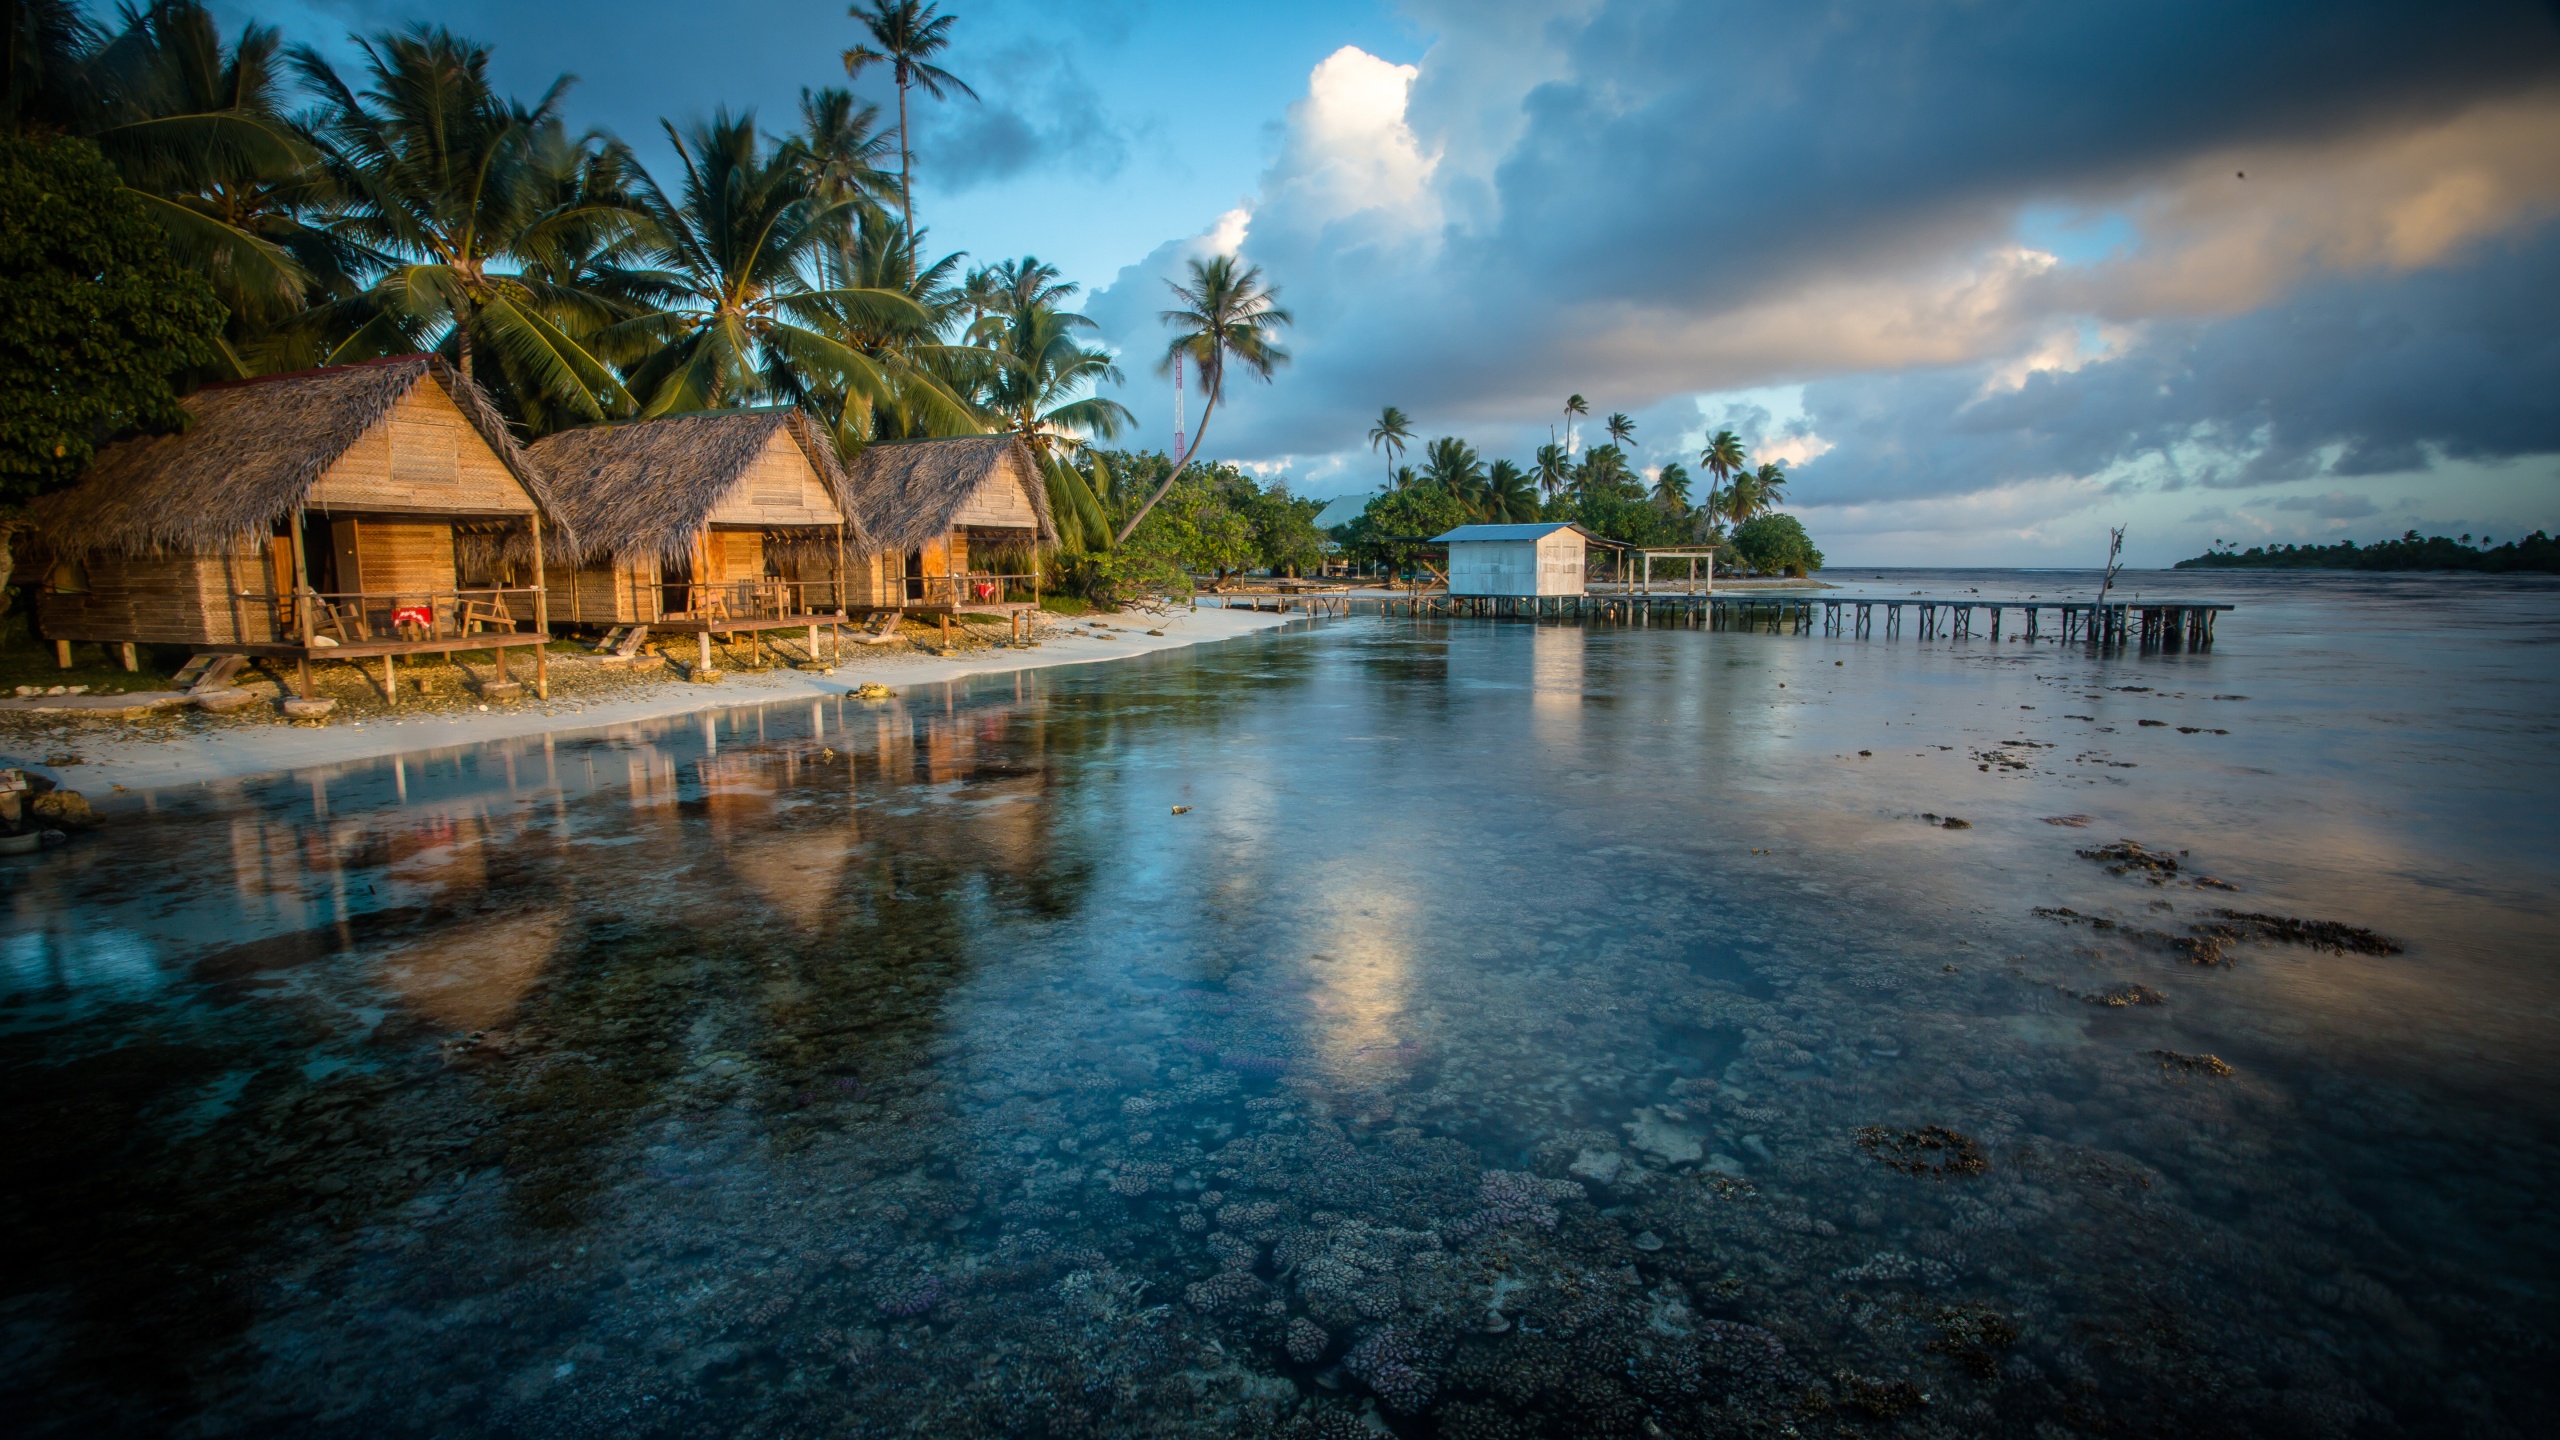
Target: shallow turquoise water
x=1487 y=1051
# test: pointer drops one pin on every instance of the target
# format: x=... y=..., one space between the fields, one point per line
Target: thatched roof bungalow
x=387 y=495
x=958 y=522
x=715 y=517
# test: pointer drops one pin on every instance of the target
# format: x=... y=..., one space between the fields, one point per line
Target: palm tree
x=927 y=379
x=1604 y=471
x=443 y=181
x=1723 y=459
x=1452 y=464
x=744 y=323
x=1553 y=469
x=1042 y=389
x=1768 y=487
x=908 y=35
x=200 y=137
x=1573 y=405
x=1509 y=495
x=1393 y=429
x=1621 y=429
x=1227 y=315
x=1742 y=498
x=1671 y=488
x=841 y=145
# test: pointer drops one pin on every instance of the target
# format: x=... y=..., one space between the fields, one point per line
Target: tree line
x=183 y=207
x=2535 y=552
x=1600 y=489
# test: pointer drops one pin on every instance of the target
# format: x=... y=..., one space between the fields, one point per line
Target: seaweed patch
x=1932 y=1150
x=2174 y=1063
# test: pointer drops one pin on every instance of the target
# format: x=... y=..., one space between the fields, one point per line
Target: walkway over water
x=2155 y=624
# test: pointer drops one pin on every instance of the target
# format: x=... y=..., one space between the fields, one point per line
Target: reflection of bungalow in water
x=709 y=524
x=1517 y=559
x=358 y=512
x=959 y=523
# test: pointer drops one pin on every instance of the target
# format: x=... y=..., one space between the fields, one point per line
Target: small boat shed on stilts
x=1518 y=560
x=356 y=512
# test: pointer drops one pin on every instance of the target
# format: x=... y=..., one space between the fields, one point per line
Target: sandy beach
x=115 y=757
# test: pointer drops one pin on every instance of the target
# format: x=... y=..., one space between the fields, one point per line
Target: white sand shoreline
x=134 y=764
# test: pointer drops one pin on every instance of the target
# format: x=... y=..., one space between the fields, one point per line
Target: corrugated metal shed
x=1517 y=559
x=1512 y=532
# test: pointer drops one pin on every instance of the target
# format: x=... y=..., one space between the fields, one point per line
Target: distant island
x=2537 y=551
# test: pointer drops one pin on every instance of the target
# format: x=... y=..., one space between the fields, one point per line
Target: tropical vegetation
x=97 y=319
x=186 y=207
x=2535 y=552
x=1603 y=489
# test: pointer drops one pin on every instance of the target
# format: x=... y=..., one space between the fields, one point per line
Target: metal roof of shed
x=1515 y=532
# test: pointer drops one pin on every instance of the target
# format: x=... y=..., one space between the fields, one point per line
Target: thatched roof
x=255 y=449
x=644 y=488
x=908 y=491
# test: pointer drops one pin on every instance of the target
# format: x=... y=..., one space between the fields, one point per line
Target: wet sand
x=137 y=762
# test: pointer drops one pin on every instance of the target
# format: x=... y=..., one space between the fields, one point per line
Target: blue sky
x=1990 y=276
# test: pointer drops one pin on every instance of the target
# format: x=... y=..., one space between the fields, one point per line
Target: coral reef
x=1932 y=1150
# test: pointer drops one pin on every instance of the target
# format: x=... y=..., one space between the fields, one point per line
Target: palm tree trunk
x=906 y=162
x=462 y=344
x=1126 y=530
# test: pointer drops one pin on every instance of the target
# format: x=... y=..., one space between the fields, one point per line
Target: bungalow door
x=675 y=585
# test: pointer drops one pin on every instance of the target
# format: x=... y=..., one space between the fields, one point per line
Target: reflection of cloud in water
x=1555 y=683
x=799 y=875
x=470 y=976
x=1359 y=994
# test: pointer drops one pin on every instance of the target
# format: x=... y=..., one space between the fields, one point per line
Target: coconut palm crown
x=1227 y=316
x=1391 y=434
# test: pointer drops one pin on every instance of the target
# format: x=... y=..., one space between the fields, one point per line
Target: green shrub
x=1776 y=545
x=96 y=318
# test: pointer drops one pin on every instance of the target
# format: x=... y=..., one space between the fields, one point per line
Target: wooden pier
x=2152 y=624
x=1320 y=602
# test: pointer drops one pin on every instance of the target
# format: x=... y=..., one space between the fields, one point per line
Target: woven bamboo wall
x=1000 y=501
x=162 y=600
x=738 y=554
x=425 y=458
x=405 y=557
x=619 y=593
x=780 y=489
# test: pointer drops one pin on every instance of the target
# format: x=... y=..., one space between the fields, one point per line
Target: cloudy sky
x=1991 y=275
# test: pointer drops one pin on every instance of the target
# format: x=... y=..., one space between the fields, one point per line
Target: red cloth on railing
x=986 y=590
x=422 y=616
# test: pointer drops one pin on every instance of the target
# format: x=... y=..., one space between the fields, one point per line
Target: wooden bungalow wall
x=162 y=600
x=423 y=460
x=426 y=459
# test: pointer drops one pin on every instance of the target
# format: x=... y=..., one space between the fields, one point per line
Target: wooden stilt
x=702 y=640
x=62 y=654
x=390 y=682
x=542 y=616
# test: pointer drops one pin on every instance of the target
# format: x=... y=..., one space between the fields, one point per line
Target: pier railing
x=2153 y=624
x=364 y=617
x=761 y=599
x=971 y=588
